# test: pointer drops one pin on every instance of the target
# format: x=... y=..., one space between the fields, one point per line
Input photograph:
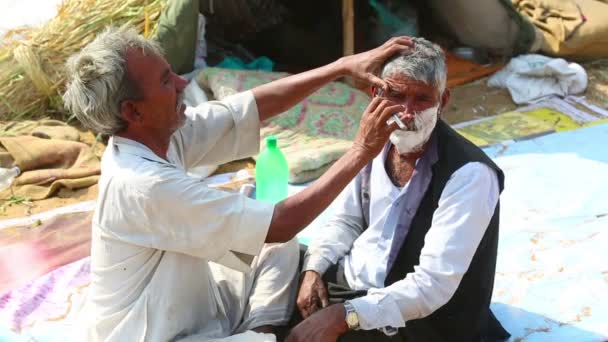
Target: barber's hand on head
x=324 y=326
x=312 y=295
x=373 y=131
x=366 y=65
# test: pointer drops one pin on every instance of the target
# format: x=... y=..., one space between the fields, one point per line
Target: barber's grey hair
x=425 y=63
x=98 y=80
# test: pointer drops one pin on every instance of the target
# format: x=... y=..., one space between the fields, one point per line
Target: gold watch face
x=352 y=319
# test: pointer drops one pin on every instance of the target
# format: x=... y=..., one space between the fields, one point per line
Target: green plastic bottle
x=271 y=173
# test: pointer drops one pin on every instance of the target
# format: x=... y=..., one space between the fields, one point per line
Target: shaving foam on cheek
x=413 y=141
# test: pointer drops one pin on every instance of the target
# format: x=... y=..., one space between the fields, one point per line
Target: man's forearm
x=296 y=212
x=337 y=240
x=278 y=96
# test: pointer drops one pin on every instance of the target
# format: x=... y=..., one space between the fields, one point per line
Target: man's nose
x=410 y=104
x=408 y=112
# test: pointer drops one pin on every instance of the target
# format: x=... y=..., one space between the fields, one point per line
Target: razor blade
x=403 y=126
x=395 y=119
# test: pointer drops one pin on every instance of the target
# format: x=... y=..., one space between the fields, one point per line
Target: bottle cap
x=271 y=141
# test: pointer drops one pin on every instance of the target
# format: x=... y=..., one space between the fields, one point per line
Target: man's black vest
x=466 y=316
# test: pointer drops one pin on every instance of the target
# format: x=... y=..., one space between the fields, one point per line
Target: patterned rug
x=318 y=131
x=314 y=133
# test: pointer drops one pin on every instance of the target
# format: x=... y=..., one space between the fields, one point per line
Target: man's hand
x=280 y=95
x=366 y=65
x=296 y=212
x=312 y=295
x=373 y=131
x=324 y=326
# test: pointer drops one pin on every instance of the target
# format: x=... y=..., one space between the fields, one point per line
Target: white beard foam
x=413 y=141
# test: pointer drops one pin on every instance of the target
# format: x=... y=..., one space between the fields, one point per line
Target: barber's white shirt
x=155 y=229
x=465 y=208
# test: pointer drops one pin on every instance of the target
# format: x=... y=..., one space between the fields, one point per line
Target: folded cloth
x=569 y=28
x=47 y=165
x=532 y=77
x=45 y=128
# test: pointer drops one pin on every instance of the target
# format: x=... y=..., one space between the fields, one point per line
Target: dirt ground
x=476 y=100
x=65 y=197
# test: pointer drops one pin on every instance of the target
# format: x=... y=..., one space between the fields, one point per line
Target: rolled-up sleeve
x=217 y=132
x=177 y=213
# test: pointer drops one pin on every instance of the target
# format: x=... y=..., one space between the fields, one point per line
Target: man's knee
x=286 y=254
x=289 y=249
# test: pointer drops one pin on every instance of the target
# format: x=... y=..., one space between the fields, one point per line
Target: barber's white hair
x=425 y=63
x=98 y=81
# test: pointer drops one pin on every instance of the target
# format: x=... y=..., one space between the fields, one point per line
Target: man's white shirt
x=465 y=209
x=155 y=229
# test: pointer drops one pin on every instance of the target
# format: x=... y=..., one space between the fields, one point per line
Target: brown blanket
x=576 y=29
x=47 y=165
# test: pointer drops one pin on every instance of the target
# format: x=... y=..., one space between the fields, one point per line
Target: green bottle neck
x=271 y=143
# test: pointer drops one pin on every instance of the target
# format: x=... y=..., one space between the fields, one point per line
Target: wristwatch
x=352 y=319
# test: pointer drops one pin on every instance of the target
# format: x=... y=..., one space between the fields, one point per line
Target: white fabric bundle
x=532 y=77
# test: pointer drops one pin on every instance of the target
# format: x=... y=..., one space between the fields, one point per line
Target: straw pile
x=32 y=59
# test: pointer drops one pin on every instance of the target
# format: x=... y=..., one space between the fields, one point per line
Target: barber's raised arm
x=276 y=97
x=296 y=212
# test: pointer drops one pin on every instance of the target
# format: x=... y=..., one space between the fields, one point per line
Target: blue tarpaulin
x=552 y=272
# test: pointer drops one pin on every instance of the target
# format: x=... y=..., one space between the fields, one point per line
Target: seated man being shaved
x=410 y=253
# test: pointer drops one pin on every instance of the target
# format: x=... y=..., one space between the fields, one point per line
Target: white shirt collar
x=135 y=148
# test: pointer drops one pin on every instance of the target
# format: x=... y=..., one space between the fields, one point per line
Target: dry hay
x=32 y=59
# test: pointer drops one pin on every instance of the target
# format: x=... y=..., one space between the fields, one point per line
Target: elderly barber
x=171 y=258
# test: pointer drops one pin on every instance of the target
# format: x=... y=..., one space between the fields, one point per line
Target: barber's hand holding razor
x=373 y=130
x=404 y=121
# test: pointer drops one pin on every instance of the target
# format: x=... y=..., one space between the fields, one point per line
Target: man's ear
x=128 y=110
x=445 y=97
